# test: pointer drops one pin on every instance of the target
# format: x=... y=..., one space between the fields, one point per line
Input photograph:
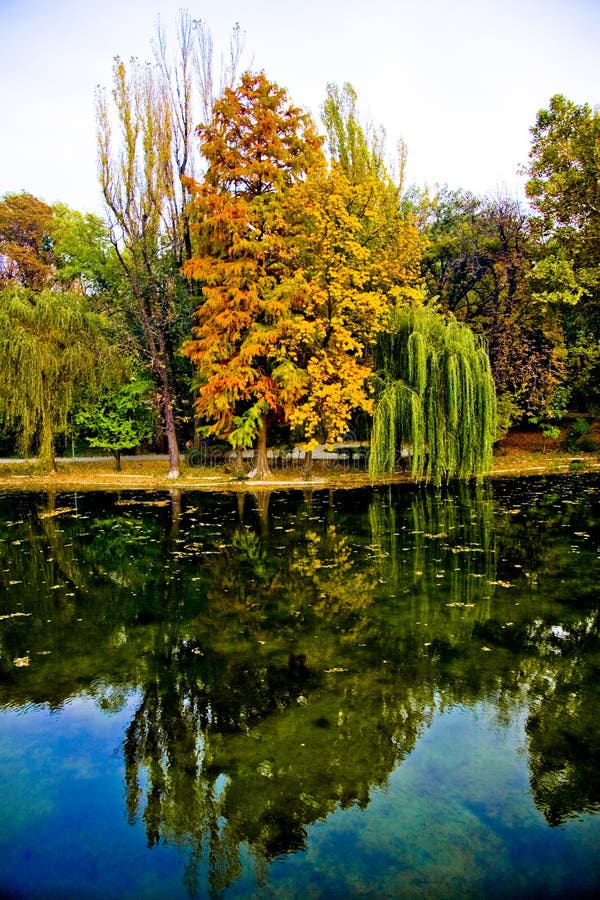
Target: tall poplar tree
x=144 y=174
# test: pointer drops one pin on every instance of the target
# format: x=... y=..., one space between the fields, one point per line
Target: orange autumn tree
x=258 y=147
x=26 y=225
x=300 y=263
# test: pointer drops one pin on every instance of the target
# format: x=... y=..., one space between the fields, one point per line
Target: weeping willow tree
x=435 y=398
x=51 y=346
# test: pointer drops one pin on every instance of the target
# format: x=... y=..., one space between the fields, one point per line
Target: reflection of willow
x=39 y=577
x=435 y=551
x=212 y=779
x=72 y=585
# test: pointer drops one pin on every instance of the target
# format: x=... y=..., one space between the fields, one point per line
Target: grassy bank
x=519 y=454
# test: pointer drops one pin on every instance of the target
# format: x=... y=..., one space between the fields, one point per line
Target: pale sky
x=460 y=81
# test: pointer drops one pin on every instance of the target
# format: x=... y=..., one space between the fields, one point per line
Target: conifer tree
x=258 y=147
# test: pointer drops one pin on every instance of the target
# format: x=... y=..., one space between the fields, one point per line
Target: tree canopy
x=25 y=240
x=299 y=263
x=258 y=146
x=436 y=401
x=52 y=347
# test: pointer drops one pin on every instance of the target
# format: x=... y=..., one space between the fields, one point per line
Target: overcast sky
x=460 y=81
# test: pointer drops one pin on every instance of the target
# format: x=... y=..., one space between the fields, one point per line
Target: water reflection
x=288 y=652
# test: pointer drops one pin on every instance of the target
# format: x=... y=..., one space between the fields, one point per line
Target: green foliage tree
x=564 y=188
x=435 y=398
x=51 y=348
x=482 y=264
x=120 y=419
x=84 y=258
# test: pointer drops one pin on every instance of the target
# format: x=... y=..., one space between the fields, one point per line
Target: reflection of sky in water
x=455 y=818
x=388 y=693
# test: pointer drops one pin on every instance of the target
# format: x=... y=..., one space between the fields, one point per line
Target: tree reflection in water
x=289 y=651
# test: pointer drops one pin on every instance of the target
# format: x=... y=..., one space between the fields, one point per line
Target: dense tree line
x=253 y=278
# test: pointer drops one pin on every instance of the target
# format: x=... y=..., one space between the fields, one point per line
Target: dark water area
x=388 y=692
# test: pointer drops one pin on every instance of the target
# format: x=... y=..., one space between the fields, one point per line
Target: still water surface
x=377 y=693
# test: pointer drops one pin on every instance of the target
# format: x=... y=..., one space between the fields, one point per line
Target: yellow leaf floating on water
x=487 y=649
x=336 y=669
x=21 y=661
x=59 y=511
x=14 y=615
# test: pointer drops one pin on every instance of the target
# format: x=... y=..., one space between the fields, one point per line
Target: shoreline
x=150 y=474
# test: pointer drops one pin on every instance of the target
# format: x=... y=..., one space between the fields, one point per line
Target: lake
x=387 y=692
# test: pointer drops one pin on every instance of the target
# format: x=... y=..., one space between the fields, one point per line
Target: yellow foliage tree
x=299 y=265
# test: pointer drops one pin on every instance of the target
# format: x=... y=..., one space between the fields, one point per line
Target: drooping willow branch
x=436 y=398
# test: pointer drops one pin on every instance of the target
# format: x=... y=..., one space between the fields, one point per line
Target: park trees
x=83 y=258
x=480 y=264
x=297 y=277
x=54 y=344
x=137 y=183
x=25 y=240
x=360 y=259
x=118 y=418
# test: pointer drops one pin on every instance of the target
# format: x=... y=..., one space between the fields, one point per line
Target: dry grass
x=521 y=453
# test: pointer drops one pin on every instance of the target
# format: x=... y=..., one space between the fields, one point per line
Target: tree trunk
x=261 y=460
x=173 y=449
x=176 y=500
x=170 y=432
x=117 y=455
x=308 y=464
x=46 y=451
x=241 y=503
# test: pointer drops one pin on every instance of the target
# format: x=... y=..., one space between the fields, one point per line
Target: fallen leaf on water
x=14 y=615
x=59 y=511
x=21 y=661
x=336 y=669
